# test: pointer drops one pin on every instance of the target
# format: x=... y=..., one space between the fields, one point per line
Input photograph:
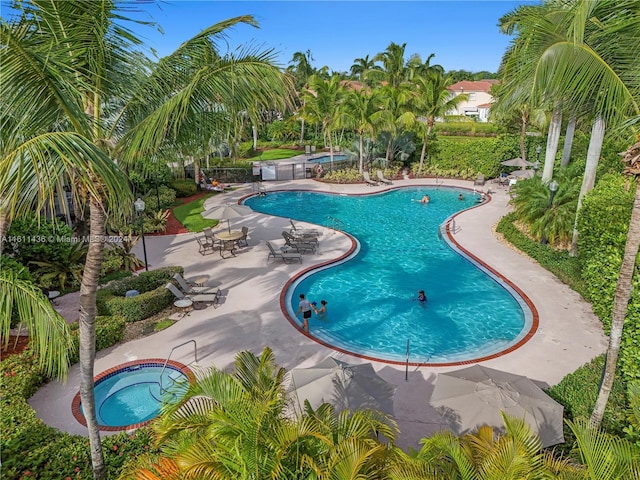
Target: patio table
x=229 y=236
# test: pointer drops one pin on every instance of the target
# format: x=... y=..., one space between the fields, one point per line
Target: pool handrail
x=195 y=352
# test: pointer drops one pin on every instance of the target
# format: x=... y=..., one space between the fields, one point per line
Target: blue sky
x=462 y=34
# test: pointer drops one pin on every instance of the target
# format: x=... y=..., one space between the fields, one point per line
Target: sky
x=463 y=34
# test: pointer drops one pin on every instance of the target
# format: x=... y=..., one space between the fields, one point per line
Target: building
x=479 y=102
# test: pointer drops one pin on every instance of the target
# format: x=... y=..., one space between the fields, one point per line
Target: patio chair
x=287 y=257
x=194 y=289
x=198 y=297
x=368 y=181
x=298 y=244
x=303 y=232
x=382 y=179
x=242 y=241
x=204 y=245
x=228 y=246
x=479 y=179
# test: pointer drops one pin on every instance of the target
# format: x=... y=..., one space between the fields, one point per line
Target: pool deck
x=249 y=316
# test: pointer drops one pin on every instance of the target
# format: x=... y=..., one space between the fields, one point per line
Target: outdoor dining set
x=226 y=242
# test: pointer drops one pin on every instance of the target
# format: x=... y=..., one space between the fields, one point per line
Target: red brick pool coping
x=535 y=321
x=75 y=404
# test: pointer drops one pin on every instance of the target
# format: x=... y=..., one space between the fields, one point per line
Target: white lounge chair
x=382 y=179
x=368 y=181
x=300 y=245
x=194 y=289
x=303 y=232
x=204 y=297
x=287 y=257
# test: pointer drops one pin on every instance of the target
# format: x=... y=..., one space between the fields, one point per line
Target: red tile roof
x=469 y=86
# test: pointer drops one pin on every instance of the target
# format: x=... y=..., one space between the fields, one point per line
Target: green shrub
x=245 y=150
x=578 y=391
x=184 y=188
x=109 y=332
x=166 y=195
x=346 y=175
x=152 y=298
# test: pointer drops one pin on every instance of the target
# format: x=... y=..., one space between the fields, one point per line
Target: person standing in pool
x=422 y=298
x=322 y=311
x=305 y=307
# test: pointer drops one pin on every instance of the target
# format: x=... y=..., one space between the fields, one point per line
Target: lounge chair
x=204 y=245
x=203 y=297
x=194 y=289
x=382 y=179
x=287 y=257
x=298 y=244
x=368 y=181
x=479 y=180
x=303 y=232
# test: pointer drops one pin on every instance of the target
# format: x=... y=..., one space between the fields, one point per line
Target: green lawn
x=274 y=154
x=189 y=215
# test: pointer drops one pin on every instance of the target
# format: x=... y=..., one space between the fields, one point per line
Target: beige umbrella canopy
x=523 y=173
x=227 y=212
x=345 y=386
x=517 y=162
x=475 y=396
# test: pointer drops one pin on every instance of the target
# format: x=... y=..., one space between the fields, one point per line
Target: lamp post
x=536 y=167
x=139 y=205
x=553 y=188
x=538 y=150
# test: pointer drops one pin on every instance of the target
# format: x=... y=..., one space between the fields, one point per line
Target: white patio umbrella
x=516 y=162
x=227 y=212
x=475 y=396
x=343 y=385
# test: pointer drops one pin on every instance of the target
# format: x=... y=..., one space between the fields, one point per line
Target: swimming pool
x=131 y=394
x=470 y=313
x=327 y=159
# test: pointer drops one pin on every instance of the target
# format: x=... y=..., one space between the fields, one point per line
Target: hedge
x=152 y=298
x=603 y=224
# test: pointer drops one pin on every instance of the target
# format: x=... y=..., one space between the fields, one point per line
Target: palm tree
x=623 y=289
x=323 y=105
x=361 y=67
x=394 y=71
x=432 y=100
x=395 y=113
x=515 y=455
x=359 y=108
x=61 y=93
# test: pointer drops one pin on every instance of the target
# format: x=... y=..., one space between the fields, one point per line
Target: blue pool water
x=327 y=159
x=132 y=394
x=371 y=311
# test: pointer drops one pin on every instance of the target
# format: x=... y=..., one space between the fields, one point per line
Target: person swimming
x=425 y=199
x=421 y=296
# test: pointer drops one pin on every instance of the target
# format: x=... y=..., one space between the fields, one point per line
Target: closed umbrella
x=475 y=396
x=517 y=162
x=345 y=386
x=522 y=173
x=227 y=212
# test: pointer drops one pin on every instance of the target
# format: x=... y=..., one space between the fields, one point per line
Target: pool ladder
x=334 y=223
x=195 y=353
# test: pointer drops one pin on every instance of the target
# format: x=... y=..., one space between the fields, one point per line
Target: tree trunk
x=361 y=154
x=302 y=131
x=87 y=322
x=620 y=305
x=388 y=155
x=424 y=147
x=523 y=132
x=254 y=130
x=330 y=151
x=552 y=145
x=593 y=156
x=568 y=141
x=4 y=227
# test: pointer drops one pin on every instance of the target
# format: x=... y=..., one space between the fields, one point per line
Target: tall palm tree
x=394 y=70
x=432 y=100
x=61 y=92
x=361 y=66
x=623 y=288
x=323 y=105
x=359 y=108
x=395 y=113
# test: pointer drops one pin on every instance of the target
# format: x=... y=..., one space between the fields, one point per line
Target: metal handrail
x=195 y=353
x=335 y=223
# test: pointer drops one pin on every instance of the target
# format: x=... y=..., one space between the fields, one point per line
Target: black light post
x=536 y=167
x=139 y=205
x=538 y=150
x=553 y=188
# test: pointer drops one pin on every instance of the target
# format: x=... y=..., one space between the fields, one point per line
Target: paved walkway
x=250 y=318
